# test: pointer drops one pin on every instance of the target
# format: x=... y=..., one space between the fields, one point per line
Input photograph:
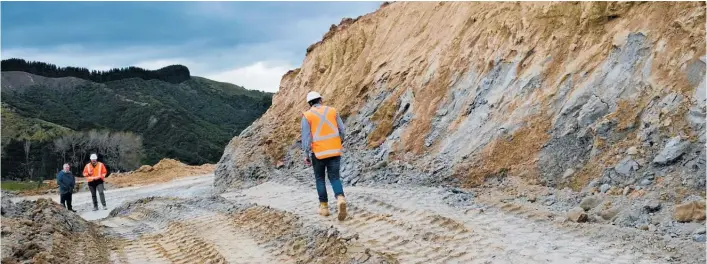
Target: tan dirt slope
x=556 y=93
x=591 y=111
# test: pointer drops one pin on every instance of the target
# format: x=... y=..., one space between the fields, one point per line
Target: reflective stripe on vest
x=100 y=165
x=328 y=153
x=324 y=145
x=322 y=121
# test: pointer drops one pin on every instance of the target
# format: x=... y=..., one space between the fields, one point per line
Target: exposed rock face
x=672 y=151
x=459 y=93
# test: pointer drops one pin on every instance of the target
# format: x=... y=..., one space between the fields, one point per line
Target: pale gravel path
x=410 y=224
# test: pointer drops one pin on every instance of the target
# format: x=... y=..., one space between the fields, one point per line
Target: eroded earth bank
x=476 y=133
x=592 y=113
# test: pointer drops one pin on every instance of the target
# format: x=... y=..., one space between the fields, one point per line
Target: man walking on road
x=95 y=173
x=65 y=180
x=322 y=134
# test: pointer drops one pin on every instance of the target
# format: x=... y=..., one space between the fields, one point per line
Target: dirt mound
x=43 y=231
x=168 y=164
x=163 y=171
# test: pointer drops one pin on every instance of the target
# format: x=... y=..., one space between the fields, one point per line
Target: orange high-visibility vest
x=94 y=173
x=326 y=141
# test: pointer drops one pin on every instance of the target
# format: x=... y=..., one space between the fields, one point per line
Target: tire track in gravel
x=523 y=240
x=180 y=245
x=234 y=244
x=130 y=247
x=418 y=227
x=278 y=223
x=208 y=238
x=292 y=240
x=161 y=230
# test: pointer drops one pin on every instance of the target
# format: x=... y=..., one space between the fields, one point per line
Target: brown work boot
x=341 y=204
x=324 y=209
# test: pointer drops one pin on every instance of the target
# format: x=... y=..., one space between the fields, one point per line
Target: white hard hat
x=94 y=157
x=313 y=95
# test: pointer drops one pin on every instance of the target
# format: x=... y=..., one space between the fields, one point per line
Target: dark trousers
x=65 y=199
x=330 y=166
x=97 y=187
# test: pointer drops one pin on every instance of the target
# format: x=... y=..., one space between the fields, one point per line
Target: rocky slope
x=561 y=94
x=587 y=98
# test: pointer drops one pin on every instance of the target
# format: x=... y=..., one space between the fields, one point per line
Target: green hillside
x=19 y=127
x=191 y=121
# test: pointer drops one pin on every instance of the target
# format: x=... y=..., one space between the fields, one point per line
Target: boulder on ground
x=627 y=190
x=672 y=151
x=590 y=202
x=577 y=215
x=652 y=206
x=610 y=213
x=627 y=166
x=690 y=211
x=532 y=198
x=604 y=188
x=637 y=193
x=632 y=151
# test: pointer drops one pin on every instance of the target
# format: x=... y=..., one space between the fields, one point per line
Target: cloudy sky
x=247 y=43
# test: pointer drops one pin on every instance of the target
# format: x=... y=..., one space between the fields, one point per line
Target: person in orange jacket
x=322 y=136
x=95 y=172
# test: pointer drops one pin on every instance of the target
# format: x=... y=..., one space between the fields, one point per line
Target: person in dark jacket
x=65 y=180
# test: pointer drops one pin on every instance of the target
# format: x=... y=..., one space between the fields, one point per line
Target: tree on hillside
x=27 y=137
x=122 y=150
x=29 y=169
x=172 y=74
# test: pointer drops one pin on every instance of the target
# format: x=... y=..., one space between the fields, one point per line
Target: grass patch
x=19 y=185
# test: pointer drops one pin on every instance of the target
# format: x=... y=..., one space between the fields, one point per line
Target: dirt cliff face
x=580 y=95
